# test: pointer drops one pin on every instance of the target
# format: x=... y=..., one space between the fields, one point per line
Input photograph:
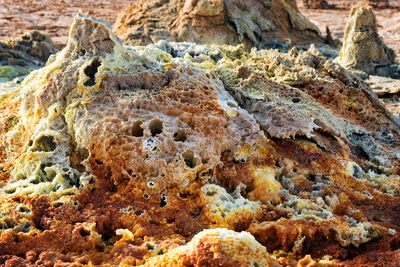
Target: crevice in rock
x=91 y=71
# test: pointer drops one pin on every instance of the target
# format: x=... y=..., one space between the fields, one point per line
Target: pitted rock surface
x=178 y=154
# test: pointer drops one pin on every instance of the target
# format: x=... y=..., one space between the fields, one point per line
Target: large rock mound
x=113 y=155
x=363 y=48
x=257 y=23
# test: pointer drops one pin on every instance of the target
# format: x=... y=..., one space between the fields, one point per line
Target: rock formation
x=257 y=22
x=363 y=48
x=316 y=4
x=178 y=154
x=32 y=48
x=19 y=57
x=376 y=3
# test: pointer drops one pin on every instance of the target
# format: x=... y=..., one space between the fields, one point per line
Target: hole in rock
x=296 y=100
x=25 y=228
x=35 y=181
x=189 y=159
x=156 y=127
x=185 y=194
x=137 y=129
x=91 y=71
x=150 y=246
x=233 y=25
x=58 y=204
x=10 y=191
x=45 y=144
x=139 y=212
x=163 y=201
x=180 y=136
x=83 y=232
x=151 y=184
x=10 y=223
x=24 y=209
x=210 y=193
x=359 y=152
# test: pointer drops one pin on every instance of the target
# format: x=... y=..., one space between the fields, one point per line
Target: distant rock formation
x=19 y=57
x=255 y=22
x=316 y=4
x=32 y=48
x=363 y=49
x=376 y=3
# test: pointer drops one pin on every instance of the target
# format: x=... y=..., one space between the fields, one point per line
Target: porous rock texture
x=363 y=49
x=178 y=154
x=257 y=23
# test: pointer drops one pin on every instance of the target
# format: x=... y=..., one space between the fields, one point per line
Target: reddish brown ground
x=52 y=17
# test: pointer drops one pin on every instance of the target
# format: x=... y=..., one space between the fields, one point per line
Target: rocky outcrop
x=256 y=23
x=376 y=3
x=217 y=247
x=32 y=48
x=19 y=57
x=178 y=154
x=363 y=49
x=316 y=4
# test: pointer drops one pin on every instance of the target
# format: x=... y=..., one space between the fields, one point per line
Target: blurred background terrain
x=55 y=17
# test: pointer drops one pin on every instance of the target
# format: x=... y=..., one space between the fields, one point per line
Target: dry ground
x=52 y=17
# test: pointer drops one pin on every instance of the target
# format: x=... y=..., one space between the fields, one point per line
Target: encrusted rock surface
x=257 y=23
x=178 y=154
x=363 y=48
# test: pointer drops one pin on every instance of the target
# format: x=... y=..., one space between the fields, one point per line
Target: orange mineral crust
x=177 y=154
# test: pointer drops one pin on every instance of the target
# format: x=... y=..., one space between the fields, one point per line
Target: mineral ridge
x=177 y=154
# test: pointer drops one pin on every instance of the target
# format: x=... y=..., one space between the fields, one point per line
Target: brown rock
x=363 y=49
x=376 y=3
x=30 y=49
x=316 y=4
x=257 y=23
